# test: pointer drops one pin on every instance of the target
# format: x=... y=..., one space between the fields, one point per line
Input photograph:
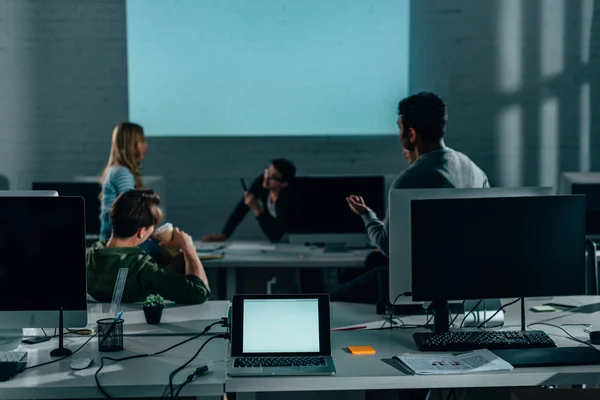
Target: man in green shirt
x=133 y=217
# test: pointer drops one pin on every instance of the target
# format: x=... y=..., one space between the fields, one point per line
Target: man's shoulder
x=125 y=257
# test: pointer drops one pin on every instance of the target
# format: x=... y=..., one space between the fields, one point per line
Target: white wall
x=63 y=85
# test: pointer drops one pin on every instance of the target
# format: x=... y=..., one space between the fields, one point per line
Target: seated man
x=269 y=199
x=421 y=121
x=133 y=216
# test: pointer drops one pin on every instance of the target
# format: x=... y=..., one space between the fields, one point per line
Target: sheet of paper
x=207 y=247
x=447 y=363
x=250 y=247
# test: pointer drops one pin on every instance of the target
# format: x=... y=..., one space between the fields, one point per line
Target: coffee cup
x=164 y=234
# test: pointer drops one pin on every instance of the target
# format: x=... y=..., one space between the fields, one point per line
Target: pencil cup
x=110 y=334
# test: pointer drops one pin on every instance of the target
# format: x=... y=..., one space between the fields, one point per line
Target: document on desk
x=448 y=363
x=250 y=247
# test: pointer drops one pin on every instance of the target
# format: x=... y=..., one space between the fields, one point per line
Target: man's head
x=279 y=175
x=134 y=214
x=422 y=120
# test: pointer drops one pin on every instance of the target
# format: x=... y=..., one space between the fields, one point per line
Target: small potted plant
x=153 y=308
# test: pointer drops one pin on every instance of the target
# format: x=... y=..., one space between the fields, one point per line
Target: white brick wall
x=63 y=85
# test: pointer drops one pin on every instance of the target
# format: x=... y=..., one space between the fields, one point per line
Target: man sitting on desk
x=269 y=199
x=133 y=216
x=422 y=121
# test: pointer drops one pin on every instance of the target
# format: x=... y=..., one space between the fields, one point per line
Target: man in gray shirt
x=422 y=121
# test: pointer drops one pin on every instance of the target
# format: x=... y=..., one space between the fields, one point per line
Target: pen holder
x=110 y=334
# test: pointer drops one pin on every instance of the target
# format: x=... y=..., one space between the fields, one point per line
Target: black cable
x=470 y=312
x=63 y=357
x=45 y=334
x=175 y=372
x=394 y=306
x=497 y=311
x=568 y=334
x=96 y=375
x=457 y=314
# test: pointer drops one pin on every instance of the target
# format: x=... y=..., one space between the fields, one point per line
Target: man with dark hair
x=268 y=198
x=133 y=216
x=422 y=121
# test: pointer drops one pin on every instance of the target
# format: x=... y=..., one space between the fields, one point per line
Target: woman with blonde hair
x=122 y=172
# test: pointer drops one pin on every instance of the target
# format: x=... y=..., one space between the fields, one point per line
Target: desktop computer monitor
x=400 y=228
x=587 y=184
x=321 y=213
x=479 y=248
x=42 y=262
x=90 y=193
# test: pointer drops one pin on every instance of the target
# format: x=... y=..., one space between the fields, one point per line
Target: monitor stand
x=10 y=339
x=441 y=316
x=61 y=351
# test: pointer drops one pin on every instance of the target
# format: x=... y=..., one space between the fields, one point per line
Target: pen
x=109 y=331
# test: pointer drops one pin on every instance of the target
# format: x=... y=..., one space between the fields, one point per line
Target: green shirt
x=145 y=277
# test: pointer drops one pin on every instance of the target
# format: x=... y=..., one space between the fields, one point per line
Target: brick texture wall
x=63 y=85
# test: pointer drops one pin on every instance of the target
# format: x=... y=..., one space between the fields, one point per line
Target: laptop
x=280 y=335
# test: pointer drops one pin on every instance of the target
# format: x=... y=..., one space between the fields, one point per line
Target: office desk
x=281 y=255
x=360 y=373
x=177 y=320
x=144 y=377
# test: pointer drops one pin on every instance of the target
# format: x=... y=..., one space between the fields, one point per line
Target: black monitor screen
x=320 y=207
x=42 y=254
x=592 y=206
x=89 y=191
x=498 y=247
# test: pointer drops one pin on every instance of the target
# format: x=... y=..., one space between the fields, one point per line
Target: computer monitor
x=42 y=262
x=400 y=227
x=507 y=247
x=588 y=184
x=28 y=193
x=89 y=191
x=321 y=213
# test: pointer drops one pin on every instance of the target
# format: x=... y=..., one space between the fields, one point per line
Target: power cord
x=223 y=323
x=481 y=325
x=197 y=372
x=470 y=312
x=564 y=330
x=63 y=357
x=390 y=317
x=457 y=314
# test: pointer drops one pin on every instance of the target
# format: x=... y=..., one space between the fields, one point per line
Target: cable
x=391 y=315
x=457 y=314
x=481 y=325
x=45 y=334
x=175 y=372
x=223 y=322
x=470 y=312
x=62 y=358
x=568 y=334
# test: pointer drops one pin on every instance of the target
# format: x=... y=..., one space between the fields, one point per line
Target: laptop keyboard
x=249 y=362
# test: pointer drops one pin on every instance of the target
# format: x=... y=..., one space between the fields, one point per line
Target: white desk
x=281 y=255
x=177 y=320
x=371 y=373
x=144 y=377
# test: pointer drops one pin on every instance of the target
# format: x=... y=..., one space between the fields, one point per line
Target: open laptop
x=280 y=335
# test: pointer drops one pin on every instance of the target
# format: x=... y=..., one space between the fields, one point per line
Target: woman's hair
x=124 y=150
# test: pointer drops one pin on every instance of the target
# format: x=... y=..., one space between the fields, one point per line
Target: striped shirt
x=117 y=180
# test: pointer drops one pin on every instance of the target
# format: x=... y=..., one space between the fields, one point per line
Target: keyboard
x=247 y=362
x=11 y=363
x=491 y=340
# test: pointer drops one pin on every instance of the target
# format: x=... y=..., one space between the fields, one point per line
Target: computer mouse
x=81 y=363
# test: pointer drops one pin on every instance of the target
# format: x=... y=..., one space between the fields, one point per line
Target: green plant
x=153 y=301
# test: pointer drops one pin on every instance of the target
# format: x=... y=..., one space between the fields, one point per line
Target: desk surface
x=148 y=377
x=371 y=372
x=177 y=320
x=144 y=377
x=247 y=254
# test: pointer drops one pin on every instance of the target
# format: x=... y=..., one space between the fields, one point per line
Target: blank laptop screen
x=281 y=326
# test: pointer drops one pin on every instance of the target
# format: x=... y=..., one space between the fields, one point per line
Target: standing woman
x=122 y=172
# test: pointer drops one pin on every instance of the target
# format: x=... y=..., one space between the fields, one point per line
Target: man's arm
x=377 y=230
x=183 y=289
x=240 y=210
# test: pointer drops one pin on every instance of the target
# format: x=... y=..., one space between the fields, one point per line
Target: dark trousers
x=370 y=285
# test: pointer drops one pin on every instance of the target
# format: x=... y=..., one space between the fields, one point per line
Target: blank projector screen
x=267 y=67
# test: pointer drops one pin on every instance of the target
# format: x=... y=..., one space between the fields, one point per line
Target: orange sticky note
x=361 y=350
